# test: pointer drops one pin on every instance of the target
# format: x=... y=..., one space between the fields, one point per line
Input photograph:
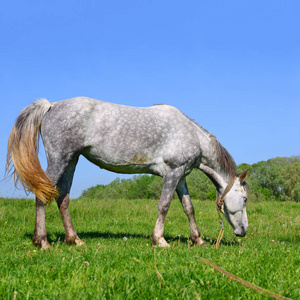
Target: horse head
x=231 y=198
x=234 y=205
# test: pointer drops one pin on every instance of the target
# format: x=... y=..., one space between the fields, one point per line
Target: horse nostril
x=240 y=231
x=244 y=231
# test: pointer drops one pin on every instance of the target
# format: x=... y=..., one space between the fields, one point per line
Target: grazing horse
x=158 y=140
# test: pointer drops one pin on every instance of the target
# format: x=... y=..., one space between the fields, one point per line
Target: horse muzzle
x=241 y=230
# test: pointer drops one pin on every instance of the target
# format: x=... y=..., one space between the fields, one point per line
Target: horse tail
x=22 y=152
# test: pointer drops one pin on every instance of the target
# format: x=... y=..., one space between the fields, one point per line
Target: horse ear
x=243 y=176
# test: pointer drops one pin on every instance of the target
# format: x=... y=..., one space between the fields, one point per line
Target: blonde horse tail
x=22 y=152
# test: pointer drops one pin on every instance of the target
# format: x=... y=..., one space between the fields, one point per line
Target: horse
x=158 y=140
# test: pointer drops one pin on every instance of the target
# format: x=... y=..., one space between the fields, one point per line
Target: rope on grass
x=220 y=236
x=242 y=281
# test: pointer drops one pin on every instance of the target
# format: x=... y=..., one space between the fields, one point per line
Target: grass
x=119 y=261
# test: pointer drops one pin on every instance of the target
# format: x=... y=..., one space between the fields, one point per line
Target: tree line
x=274 y=179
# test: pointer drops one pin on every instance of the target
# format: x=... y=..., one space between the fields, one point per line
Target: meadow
x=119 y=262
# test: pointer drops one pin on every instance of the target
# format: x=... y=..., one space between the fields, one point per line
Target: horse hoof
x=45 y=245
x=199 y=242
x=42 y=243
x=79 y=242
x=162 y=243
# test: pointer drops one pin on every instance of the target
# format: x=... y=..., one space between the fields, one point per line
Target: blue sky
x=233 y=66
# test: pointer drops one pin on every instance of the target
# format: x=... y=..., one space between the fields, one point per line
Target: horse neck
x=223 y=175
x=211 y=158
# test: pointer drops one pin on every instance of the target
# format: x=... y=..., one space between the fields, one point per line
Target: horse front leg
x=40 y=232
x=71 y=236
x=185 y=199
x=169 y=185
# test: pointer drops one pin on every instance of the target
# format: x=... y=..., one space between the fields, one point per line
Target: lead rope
x=242 y=281
x=219 y=203
x=220 y=236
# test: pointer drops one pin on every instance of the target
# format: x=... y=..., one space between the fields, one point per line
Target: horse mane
x=224 y=158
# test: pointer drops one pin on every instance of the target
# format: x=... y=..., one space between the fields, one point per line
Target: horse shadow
x=88 y=235
x=54 y=237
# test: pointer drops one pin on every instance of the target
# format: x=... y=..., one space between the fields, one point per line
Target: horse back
x=121 y=138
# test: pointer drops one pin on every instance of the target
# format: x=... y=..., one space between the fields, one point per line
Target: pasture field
x=119 y=261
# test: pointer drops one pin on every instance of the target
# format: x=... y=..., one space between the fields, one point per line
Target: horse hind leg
x=64 y=185
x=40 y=232
x=61 y=174
x=71 y=236
x=185 y=199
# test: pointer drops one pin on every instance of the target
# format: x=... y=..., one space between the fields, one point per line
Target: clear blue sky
x=233 y=66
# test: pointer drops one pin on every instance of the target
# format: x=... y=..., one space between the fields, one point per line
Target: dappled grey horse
x=157 y=140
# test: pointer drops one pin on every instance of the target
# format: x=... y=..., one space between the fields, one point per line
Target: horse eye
x=245 y=199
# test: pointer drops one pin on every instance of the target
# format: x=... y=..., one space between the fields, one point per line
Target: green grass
x=111 y=268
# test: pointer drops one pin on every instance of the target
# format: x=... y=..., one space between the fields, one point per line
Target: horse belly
x=126 y=164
